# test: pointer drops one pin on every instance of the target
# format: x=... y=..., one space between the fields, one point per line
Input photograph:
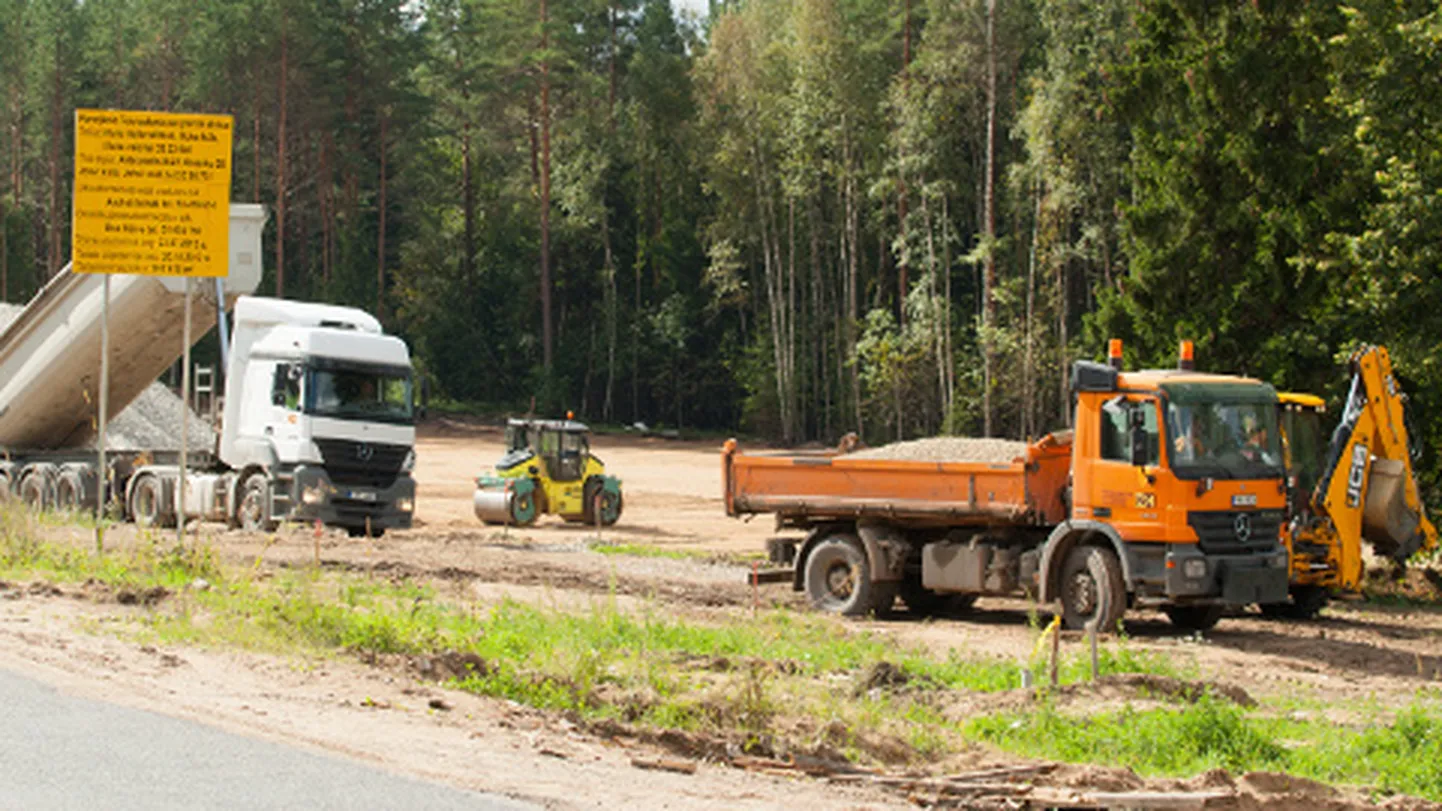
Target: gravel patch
x=947 y=449
x=152 y=422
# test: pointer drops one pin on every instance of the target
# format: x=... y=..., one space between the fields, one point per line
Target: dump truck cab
x=1180 y=475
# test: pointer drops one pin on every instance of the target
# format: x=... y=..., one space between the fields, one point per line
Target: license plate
x=358 y=495
x=1244 y=500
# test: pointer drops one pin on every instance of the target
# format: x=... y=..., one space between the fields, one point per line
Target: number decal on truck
x=1356 y=474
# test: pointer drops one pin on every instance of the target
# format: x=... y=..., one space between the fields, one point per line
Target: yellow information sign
x=152 y=193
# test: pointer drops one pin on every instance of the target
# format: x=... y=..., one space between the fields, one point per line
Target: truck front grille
x=1236 y=532
x=362 y=464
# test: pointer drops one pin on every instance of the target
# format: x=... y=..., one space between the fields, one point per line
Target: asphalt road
x=59 y=751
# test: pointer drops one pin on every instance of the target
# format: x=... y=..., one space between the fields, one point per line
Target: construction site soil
x=1360 y=660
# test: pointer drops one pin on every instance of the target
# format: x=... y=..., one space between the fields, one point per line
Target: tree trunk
x=988 y=302
x=1029 y=410
x=381 y=225
x=468 y=203
x=255 y=144
x=903 y=270
x=280 y=190
x=546 y=329
x=52 y=237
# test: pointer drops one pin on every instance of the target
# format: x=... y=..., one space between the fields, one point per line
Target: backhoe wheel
x=1306 y=603
x=1092 y=591
x=1194 y=617
x=925 y=602
x=838 y=578
x=253 y=512
x=147 y=502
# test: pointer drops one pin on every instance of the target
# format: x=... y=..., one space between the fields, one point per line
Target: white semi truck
x=317 y=421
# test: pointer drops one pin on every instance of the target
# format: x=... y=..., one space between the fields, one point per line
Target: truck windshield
x=1224 y=440
x=374 y=394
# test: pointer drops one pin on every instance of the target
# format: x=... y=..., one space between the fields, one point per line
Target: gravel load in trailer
x=947 y=449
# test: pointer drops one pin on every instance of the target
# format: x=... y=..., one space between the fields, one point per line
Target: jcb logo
x=1356 y=474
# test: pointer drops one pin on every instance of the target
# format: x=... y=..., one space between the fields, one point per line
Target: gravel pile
x=152 y=422
x=947 y=449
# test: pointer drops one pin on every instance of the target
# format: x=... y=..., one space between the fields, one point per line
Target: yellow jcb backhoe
x=1361 y=487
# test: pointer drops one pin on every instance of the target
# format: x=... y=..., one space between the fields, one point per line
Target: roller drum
x=493 y=506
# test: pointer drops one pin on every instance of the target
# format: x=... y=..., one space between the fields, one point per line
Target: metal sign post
x=102 y=480
x=184 y=420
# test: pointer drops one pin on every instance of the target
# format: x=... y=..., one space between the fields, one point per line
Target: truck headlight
x=410 y=462
x=312 y=495
x=1194 y=569
x=405 y=505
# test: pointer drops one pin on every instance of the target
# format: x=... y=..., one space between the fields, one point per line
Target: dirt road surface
x=672 y=501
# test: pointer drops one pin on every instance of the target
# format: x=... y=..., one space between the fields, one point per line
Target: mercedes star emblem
x=364 y=452
x=1243 y=527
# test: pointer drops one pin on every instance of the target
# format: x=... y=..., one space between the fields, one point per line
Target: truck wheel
x=253 y=512
x=1195 y=617
x=147 y=502
x=34 y=493
x=1092 y=591
x=69 y=492
x=838 y=579
x=925 y=602
x=360 y=532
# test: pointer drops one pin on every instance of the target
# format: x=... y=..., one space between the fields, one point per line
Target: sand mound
x=947 y=449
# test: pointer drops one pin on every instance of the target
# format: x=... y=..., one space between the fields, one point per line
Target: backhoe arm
x=1368 y=488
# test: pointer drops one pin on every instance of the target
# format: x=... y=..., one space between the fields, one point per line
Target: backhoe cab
x=548 y=468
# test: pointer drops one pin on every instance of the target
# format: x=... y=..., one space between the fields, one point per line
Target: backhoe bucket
x=1388 y=523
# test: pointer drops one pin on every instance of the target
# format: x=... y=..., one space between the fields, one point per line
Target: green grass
x=1401 y=756
x=736 y=679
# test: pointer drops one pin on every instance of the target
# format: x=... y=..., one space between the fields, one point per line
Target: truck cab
x=319 y=418
x=1183 y=473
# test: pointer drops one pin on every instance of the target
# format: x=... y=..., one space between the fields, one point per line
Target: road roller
x=548 y=469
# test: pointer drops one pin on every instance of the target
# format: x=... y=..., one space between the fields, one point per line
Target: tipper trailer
x=1130 y=508
x=317 y=412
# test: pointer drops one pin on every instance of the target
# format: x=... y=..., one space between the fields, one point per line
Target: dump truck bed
x=50 y=353
x=815 y=487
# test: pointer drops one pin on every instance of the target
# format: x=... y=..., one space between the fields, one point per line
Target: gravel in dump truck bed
x=947 y=449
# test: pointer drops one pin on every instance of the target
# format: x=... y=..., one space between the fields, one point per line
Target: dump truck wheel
x=1195 y=617
x=69 y=492
x=838 y=578
x=147 y=503
x=253 y=510
x=360 y=532
x=1092 y=591
x=34 y=492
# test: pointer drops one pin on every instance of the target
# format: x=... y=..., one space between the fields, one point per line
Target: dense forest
x=795 y=217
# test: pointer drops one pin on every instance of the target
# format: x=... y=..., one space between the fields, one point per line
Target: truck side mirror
x=277 y=398
x=1137 y=422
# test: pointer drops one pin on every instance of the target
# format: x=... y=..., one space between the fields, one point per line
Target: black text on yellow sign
x=152 y=193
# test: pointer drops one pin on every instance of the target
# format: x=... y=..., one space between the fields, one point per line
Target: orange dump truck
x=1169 y=493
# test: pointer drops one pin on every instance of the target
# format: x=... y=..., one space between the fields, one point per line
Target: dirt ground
x=672 y=500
